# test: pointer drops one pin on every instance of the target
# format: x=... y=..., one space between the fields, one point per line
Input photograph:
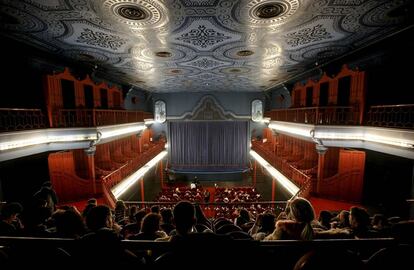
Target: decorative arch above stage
x=209 y=108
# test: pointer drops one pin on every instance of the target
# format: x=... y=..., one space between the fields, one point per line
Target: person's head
x=120 y=204
x=325 y=218
x=166 y=215
x=268 y=222
x=245 y=214
x=69 y=223
x=184 y=217
x=151 y=223
x=11 y=210
x=344 y=218
x=92 y=201
x=99 y=217
x=379 y=221
x=358 y=218
x=47 y=184
x=155 y=209
x=301 y=210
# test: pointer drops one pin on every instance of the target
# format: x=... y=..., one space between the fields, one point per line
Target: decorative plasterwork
x=230 y=45
x=208 y=109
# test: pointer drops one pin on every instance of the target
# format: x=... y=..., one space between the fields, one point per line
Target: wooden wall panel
x=331 y=162
x=81 y=163
x=54 y=98
x=347 y=183
x=68 y=186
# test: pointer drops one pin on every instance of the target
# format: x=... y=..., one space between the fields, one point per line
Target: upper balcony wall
x=347 y=88
x=64 y=91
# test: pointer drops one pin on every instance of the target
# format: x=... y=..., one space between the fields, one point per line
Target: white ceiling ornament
x=230 y=45
x=134 y=13
x=204 y=35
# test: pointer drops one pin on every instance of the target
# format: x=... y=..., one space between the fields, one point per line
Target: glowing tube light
x=283 y=180
x=120 y=189
x=117 y=131
x=149 y=122
x=301 y=130
x=44 y=139
x=14 y=140
x=369 y=137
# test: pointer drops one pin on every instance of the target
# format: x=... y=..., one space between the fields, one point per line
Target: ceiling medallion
x=131 y=12
x=235 y=70
x=163 y=54
x=269 y=10
x=245 y=53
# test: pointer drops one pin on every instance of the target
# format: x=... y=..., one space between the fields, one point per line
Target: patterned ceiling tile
x=200 y=3
x=88 y=35
x=204 y=35
x=228 y=45
x=319 y=31
x=18 y=20
x=386 y=13
x=205 y=63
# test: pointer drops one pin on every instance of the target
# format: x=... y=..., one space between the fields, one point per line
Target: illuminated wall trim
x=122 y=187
x=283 y=180
x=387 y=140
x=24 y=143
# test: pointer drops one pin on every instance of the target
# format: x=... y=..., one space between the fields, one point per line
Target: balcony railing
x=16 y=119
x=332 y=115
x=21 y=119
x=128 y=168
x=280 y=163
x=392 y=116
x=93 y=117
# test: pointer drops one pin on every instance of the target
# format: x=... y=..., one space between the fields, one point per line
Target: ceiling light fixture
x=163 y=54
x=245 y=53
x=270 y=10
x=131 y=12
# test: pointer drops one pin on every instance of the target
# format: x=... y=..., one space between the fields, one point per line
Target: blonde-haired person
x=297 y=226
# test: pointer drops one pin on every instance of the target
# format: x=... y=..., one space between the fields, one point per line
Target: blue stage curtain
x=208 y=145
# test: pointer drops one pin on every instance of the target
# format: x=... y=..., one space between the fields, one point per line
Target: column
x=273 y=189
x=142 y=192
x=90 y=153
x=161 y=175
x=321 y=166
x=254 y=173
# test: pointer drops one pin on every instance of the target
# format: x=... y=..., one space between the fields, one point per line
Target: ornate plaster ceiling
x=201 y=45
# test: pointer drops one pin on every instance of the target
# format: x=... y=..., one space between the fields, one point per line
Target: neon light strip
x=400 y=138
x=44 y=139
x=9 y=141
x=122 y=187
x=120 y=131
x=292 y=129
x=363 y=137
x=283 y=180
